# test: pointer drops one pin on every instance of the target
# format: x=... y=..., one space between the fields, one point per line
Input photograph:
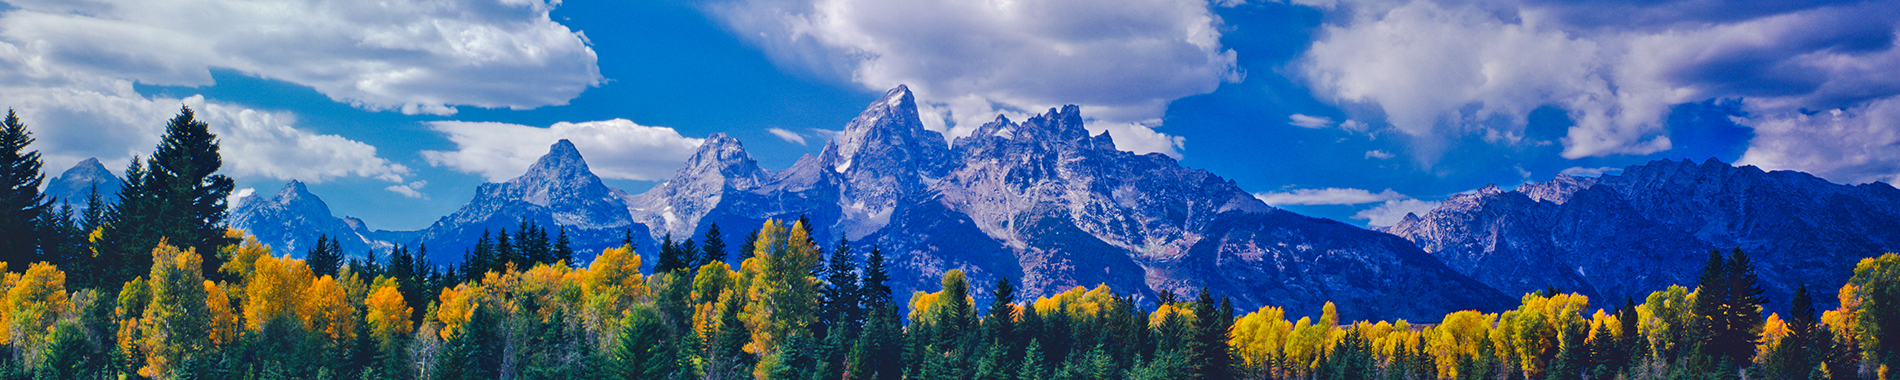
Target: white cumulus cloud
x=1393 y=211
x=1379 y=154
x=412 y=56
x=615 y=148
x=1438 y=70
x=968 y=61
x=412 y=189
x=1862 y=144
x=1327 y=196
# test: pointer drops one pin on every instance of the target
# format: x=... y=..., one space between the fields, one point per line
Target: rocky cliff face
x=77 y=183
x=1653 y=225
x=1044 y=203
x=291 y=220
x=558 y=190
x=1040 y=202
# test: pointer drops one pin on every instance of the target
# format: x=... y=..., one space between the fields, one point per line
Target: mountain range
x=1051 y=207
x=1624 y=235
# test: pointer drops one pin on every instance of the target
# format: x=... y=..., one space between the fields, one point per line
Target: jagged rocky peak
x=560 y=174
x=1557 y=190
x=77 y=182
x=722 y=156
x=888 y=135
x=1064 y=124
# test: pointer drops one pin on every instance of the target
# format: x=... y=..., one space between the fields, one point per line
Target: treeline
x=154 y=286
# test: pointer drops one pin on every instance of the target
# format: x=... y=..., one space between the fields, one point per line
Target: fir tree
x=840 y=300
x=671 y=256
x=21 y=204
x=505 y=252
x=1794 y=357
x=192 y=195
x=713 y=250
x=325 y=257
x=564 y=248
x=474 y=351
x=750 y=247
x=643 y=348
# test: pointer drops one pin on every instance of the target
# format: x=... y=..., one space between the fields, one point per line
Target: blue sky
x=1352 y=110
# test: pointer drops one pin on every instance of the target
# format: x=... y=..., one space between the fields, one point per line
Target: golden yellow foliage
x=34 y=302
x=781 y=293
x=1164 y=313
x=1538 y=326
x=176 y=305
x=1772 y=331
x=327 y=310
x=240 y=257
x=608 y=287
x=276 y=288
x=224 y=320
x=1458 y=338
x=455 y=307
x=1079 y=303
x=1260 y=335
x=388 y=314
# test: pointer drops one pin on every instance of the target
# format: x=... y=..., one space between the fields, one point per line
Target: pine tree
x=564 y=248
x=671 y=257
x=325 y=257
x=1794 y=357
x=21 y=203
x=191 y=193
x=477 y=260
x=750 y=247
x=882 y=340
x=714 y=248
x=840 y=300
x=1740 y=317
x=473 y=352
x=643 y=350
x=1033 y=367
x=505 y=252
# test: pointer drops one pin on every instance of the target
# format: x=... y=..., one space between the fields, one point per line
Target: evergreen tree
x=1033 y=367
x=643 y=350
x=505 y=252
x=473 y=352
x=714 y=248
x=840 y=301
x=750 y=246
x=477 y=260
x=882 y=341
x=325 y=257
x=671 y=256
x=21 y=204
x=1739 y=321
x=192 y=195
x=1794 y=357
x=564 y=248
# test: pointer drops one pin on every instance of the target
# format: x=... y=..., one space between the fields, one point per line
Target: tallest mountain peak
x=562 y=161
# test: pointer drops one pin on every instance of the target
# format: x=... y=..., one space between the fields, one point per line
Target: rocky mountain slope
x=291 y=220
x=77 y=183
x=1654 y=225
x=1040 y=202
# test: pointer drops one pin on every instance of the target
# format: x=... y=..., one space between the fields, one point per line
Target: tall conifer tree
x=21 y=204
x=184 y=171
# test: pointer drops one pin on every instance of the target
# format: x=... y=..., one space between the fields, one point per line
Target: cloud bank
x=617 y=148
x=68 y=68
x=1441 y=70
x=968 y=61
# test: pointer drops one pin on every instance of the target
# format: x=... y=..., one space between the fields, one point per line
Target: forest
x=153 y=285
